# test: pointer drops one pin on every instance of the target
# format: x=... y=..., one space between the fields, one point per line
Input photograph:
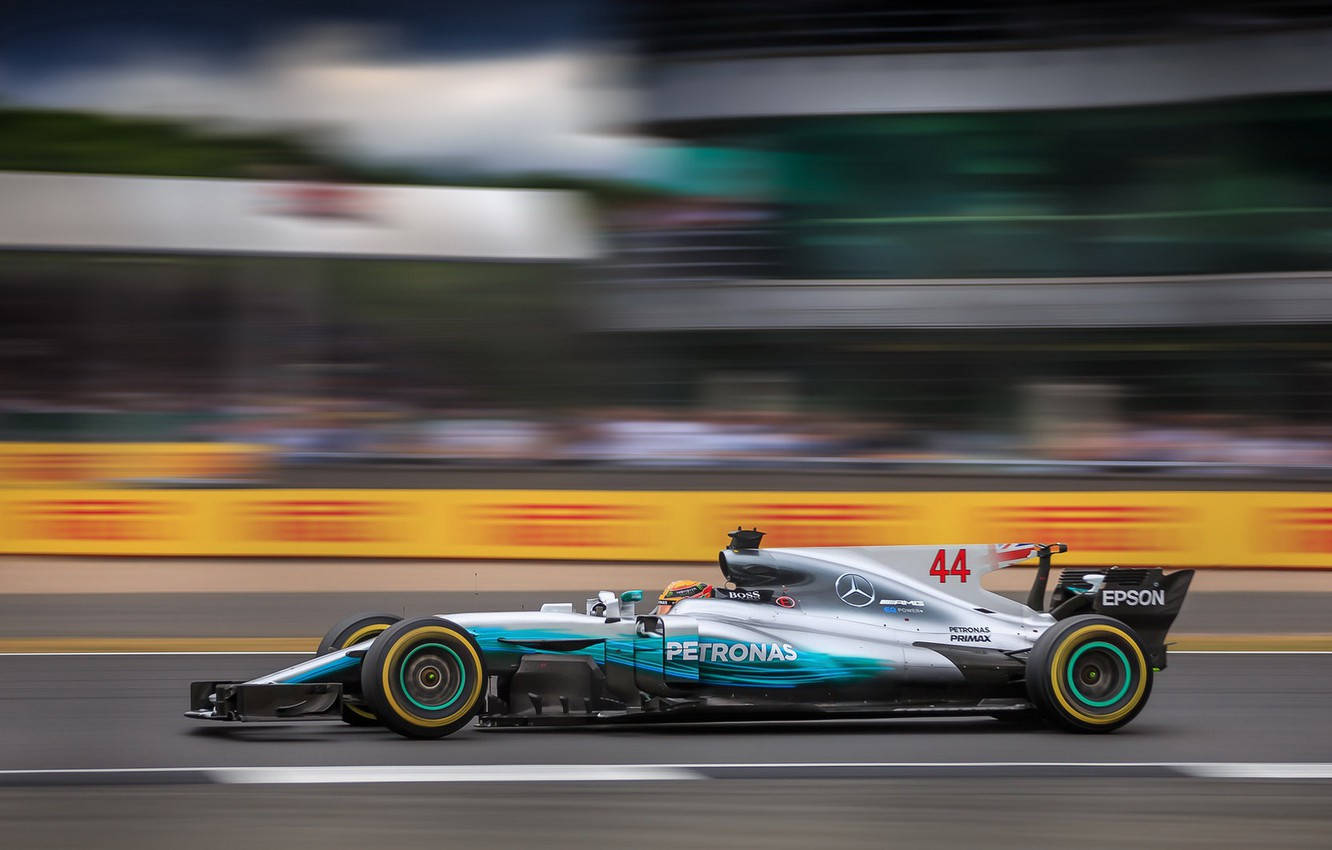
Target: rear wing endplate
x=1043 y=551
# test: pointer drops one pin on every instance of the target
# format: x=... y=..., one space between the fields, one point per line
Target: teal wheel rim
x=1123 y=660
x=402 y=677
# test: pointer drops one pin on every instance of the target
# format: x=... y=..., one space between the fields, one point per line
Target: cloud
x=349 y=85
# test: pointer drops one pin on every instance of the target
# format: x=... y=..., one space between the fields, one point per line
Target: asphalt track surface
x=770 y=814
x=863 y=783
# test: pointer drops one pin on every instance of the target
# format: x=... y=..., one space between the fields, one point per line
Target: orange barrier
x=94 y=464
x=1179 y=529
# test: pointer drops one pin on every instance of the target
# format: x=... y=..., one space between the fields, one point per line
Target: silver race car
x=869 y=631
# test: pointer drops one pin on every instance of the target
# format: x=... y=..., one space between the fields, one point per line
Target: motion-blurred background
x=578 y=244
x=419 y=307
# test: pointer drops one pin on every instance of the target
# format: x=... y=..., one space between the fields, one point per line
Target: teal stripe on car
x=810 y=668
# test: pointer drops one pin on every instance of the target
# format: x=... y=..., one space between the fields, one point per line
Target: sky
x=43 y=36
x=512 y=86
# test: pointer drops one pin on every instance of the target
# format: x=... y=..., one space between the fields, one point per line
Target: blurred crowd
x=329 y=430
x=1203 y=439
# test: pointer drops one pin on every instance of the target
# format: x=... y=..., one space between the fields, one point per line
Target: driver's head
x=683 y=589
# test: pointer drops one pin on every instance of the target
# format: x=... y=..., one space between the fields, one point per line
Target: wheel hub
x=432 y=676
x=1099 y=674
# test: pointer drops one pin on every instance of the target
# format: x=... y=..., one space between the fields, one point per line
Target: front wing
x=242 y=702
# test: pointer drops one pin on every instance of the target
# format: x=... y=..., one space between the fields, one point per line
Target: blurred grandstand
x=1087 y=236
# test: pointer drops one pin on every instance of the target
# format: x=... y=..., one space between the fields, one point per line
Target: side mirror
x=605 y=605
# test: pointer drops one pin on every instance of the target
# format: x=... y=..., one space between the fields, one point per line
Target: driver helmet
x=683 y=589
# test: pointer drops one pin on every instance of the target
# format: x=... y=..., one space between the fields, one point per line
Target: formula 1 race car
x=871 y=631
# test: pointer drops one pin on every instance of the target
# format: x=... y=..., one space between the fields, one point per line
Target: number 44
x=941 y=569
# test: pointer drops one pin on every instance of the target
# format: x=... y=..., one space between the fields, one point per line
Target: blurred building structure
x=158 y=215
x=310 y=315
x=957 y=206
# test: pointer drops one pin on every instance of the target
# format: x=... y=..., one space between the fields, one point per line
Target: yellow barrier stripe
x=1175 y=529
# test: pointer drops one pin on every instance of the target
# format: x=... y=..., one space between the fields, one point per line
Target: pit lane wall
x=1178 y=529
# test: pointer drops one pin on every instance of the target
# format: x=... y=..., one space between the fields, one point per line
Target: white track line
x=1243 y=770
x=108 y=771
x=685 y=771
x=352 y=775
x=378 y=774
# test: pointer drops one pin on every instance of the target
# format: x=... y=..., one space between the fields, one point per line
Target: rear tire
x=424 y=678
x=353 y=630
x=1089 y=674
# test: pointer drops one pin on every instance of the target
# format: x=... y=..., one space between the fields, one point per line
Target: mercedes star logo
x=854 y=590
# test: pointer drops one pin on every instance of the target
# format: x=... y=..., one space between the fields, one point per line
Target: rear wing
x=1146 y=599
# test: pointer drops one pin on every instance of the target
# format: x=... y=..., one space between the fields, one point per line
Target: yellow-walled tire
x=1089 y=674
x=353 y=630
x=424 y=678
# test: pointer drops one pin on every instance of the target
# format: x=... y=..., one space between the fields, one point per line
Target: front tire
x=1089 y=674
x=350 y=631
x=424 y=678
